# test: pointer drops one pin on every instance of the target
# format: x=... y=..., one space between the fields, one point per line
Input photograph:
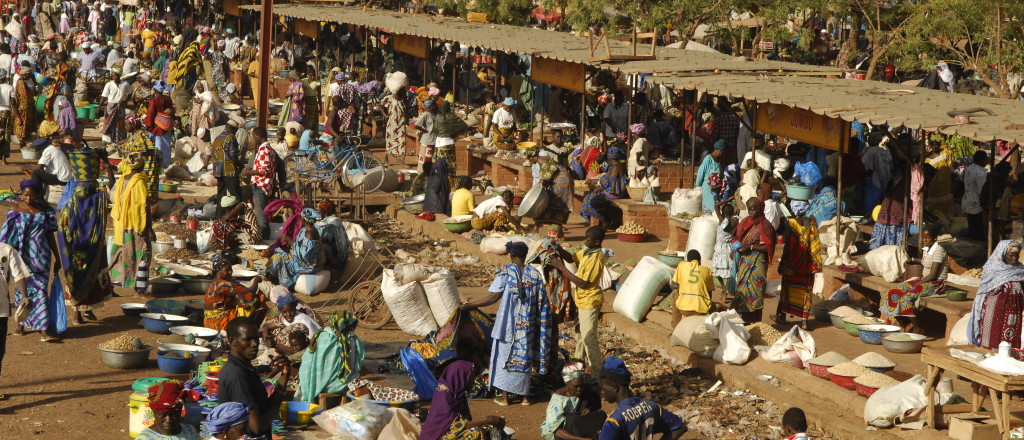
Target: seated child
x=694 y=284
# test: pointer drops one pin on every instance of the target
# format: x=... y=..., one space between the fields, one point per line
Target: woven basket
x=636 y=194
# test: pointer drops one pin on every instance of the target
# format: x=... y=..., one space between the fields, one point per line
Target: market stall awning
x=869 y=101
x=523 y=40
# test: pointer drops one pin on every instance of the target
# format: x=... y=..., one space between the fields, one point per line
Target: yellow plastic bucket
x=140 y=416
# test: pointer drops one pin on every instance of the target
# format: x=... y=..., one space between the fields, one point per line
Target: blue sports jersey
x=638 y=419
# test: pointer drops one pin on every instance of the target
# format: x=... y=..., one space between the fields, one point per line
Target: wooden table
x=999 y=386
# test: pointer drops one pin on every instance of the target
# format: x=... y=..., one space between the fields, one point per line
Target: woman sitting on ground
x=495 y=214
x=239 y=219
x=305 y=256
x=574 y=411
x=226 y=299
x=597 y=205
x=449 y=417
x=166 y=400
x=902 y=300
x=277 y=333
x=333 y=236
x=463 y=201
x=999 y=304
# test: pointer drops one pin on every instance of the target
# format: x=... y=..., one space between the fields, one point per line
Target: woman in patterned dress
x=292 y=112
x=132 y=227
x=522 y=340
x=23 y=111
x=394 y=110
x=305 y=256
x=226 y=299
x=756 y=249
x=902 y=300
x=81 y=225
x=29 y=229
x=801 y=259
x=999 y=305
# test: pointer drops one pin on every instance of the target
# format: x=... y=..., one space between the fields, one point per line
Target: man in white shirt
x=974 y=179
x=231 y=44
x=130 y=65
x=112 y=89
x=53 y=167
x=13 y=272
x=615 y=116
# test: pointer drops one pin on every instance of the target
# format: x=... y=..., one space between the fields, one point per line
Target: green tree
x=986 y=36
x=683 y=16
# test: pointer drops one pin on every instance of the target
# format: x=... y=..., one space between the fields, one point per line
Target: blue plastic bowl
x=873 y=333
x=882 y=370
x=161 y=323
x=175 y=365
x=169 y=306
x=299 y=413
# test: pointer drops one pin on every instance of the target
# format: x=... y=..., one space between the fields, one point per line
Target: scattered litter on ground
x=418 y=248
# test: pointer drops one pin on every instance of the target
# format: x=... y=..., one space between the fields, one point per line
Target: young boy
x=590 y=263
x=633 y=417
x=298 y=340
x=694 y=285
x=794 y=424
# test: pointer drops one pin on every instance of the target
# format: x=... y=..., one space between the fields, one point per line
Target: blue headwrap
x=284 y=300
x=616 y=153
x=310 y=214
x=799 y=207
x=226 y=415
x=720 y=144
x=615 y=371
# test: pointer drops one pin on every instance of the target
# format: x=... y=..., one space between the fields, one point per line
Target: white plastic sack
x=408 y=304
x=636 y=296
x=203 y=239
x=702 y=236
x=411 y=273
x=442 y=295
x=733 y=338
x=360 y=241
x=886 y=261
x=889 y=403
x=685 y=201
x=958 y=336
x=797 y=339
x=356 y=420
x=695 y=336
x=762 y=159
x=313 y=283
x=962 y=280
x=495 y=243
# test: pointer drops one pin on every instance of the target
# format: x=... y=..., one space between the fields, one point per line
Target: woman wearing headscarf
x=204 y=107
x=574 y=411
x=293 y=104
x=449 y=417
x=522 y=339
x=888 y=227
x=306 y=254
x=558 y=182
x=161 y=62
x=23 y=110
x=801 y=259
x=756 y=249
x=166 y=400
x=709 y=175
x=333 y=236
x=228 y=421
x=447 y=126
x=29 y=229
x=748 y=188
x=824 y=205
x=902 y=300
x=639 y=153
x=160 y=120
x=610 y=186
x=438 y=191
x=277 y=333
x=999 y=305
x=132 y=226
x=239 y=219
x=394 y=110
x=226 y=299
x=81 y=226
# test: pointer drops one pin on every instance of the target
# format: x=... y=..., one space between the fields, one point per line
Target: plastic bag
x=732 y=337
x=57 y=311
x=797 y=339
x=685 y=201
x=358 y=420
x=203 y=239
x=890 y=403
x=808 y=173
x=403 y=426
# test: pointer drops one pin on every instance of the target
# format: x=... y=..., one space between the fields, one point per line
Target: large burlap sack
x=408 y=304
x=886 y=262
x=442 y=295
x=694 y=335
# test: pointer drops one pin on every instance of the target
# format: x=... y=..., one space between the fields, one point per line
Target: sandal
x=48 y=339
x=501 y=402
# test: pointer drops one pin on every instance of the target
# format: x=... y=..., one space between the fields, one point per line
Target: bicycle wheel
x=363 y=168
x=366 y=301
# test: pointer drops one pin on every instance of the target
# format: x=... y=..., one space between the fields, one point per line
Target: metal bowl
x=534 y=202
x=125 y=359
x=414 y=204
x=903 y=342
x=196 y=286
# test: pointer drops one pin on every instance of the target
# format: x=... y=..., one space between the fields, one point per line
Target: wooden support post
x=266 y=34
x=991 y=200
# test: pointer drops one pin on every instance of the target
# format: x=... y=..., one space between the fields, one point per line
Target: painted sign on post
x=416 y=46
x=569 y=76
x=804 y=126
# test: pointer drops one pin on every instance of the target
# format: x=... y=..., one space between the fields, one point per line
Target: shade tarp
x=869 y=101
x=524 y=40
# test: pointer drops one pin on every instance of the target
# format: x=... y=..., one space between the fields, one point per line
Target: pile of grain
x=874 y=360
x=250 y=254
x=829 y=305
x=829 y=359
x=175 y=254
x=875 y=380
x=125 y=342
x=860 y=319
x=848 y=369
x=163 y=236
x=762 y=334
x=176 y=230
x=844 y=311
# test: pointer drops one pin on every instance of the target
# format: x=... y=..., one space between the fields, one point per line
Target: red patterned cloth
x=166 y=396
x=265 y=167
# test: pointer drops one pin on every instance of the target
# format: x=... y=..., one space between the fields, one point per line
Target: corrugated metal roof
x=523 y=40
x=869 y=101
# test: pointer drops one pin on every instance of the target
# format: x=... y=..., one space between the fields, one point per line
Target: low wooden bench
x=859 y=282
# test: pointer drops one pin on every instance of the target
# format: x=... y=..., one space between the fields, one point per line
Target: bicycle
x=355 y=167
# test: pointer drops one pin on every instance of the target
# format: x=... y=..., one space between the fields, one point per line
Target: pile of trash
x=418 y=248
x=705 y=404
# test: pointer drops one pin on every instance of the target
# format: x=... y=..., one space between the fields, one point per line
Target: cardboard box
x=973 y=427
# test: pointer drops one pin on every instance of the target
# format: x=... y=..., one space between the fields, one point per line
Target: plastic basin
x=865 y=391
x=298 y=413
x=161 y=323
x=133 y=309
x=837 y=321
x=872 y=333
x=174 y=364
x=208 y=334
x=164 y=286
x=123 y=360
x=29 y=153
x=819 y=371
x=169 y=306
x=903 y=342
x=199 y=354
x=799 y=192
x=844 y=381
x=631 y=238
x=93 y=110
x=670 y=260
